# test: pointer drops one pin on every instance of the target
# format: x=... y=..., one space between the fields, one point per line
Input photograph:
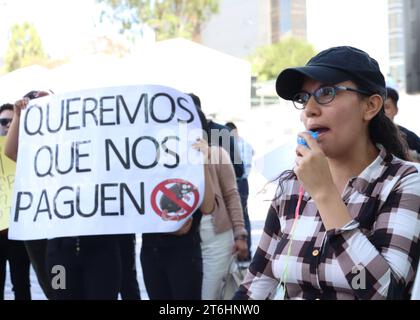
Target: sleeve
x=383 y=264
x=226 y=177
x=235 y=157
x=259 y=282
x=247 y=158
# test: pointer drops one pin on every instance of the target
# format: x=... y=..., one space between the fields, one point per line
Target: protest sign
x=107 y=161
x=7 y=176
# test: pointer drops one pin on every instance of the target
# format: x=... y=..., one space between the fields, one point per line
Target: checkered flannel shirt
x=375 y=256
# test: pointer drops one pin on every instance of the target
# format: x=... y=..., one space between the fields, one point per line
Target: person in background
x=92 y=263
x=246 y=152
x=222 y=230
x=12 y=250
x=345 y=222
x=220 y=135
x=6 y=116
x=391 y=110
x=172 y=263
x=36 y=248
x=129 y=285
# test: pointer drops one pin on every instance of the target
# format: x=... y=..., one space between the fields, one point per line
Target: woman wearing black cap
x=345 y=223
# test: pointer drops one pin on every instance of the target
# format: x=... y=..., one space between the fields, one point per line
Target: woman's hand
x=203 y=146
x=313 y=171
x=312 y=168
x=20 y=105
x=12 y=139
x=184 y=229
x=241 y=247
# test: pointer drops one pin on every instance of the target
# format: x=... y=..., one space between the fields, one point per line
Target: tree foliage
x=168 y=18
x=268 y=61
x=25 y=47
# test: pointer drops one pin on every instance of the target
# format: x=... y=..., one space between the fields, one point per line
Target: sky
x=66 y=26
x=360 y=23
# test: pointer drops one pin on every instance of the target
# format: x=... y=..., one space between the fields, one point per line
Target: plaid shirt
x=375 y=256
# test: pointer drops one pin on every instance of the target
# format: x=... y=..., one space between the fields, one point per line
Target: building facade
x=396 y=43
x=288 y=17
x=404 y=43
x=241 y=26
x=412 y=45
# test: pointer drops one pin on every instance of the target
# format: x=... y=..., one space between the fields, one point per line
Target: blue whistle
x=302 y=141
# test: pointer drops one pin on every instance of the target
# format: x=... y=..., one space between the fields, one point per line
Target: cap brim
x=290 y=81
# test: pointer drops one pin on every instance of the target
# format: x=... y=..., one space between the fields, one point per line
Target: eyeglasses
x=323 y=95
x=5 y=121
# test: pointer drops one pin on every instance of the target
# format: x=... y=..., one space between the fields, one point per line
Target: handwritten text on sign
x=89 y=162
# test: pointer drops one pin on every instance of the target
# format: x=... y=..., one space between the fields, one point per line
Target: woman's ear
x=374 y=104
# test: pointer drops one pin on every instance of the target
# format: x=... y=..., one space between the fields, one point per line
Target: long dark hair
x=201 y=115
x=383 y=131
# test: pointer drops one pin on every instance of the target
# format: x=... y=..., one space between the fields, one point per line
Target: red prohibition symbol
x=171 y=199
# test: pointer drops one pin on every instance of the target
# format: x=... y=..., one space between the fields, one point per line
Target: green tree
x=25 y=47
x=268 y=61
x=168 y=18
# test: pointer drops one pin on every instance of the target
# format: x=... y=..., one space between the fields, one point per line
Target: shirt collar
x=371 y=172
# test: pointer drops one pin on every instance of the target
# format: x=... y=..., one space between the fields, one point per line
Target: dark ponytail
x=383 y=131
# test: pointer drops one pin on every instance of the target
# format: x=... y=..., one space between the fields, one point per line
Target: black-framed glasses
x=323 y=95
x=5 y=121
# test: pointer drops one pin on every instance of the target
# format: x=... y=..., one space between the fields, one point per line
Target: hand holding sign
x=185 y=228
x=203 y=146
x=20 y=105
x=106 y=161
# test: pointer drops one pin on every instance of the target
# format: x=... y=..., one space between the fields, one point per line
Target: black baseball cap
x=332 y=66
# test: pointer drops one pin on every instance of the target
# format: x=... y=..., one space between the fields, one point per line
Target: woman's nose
x=312 y=108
